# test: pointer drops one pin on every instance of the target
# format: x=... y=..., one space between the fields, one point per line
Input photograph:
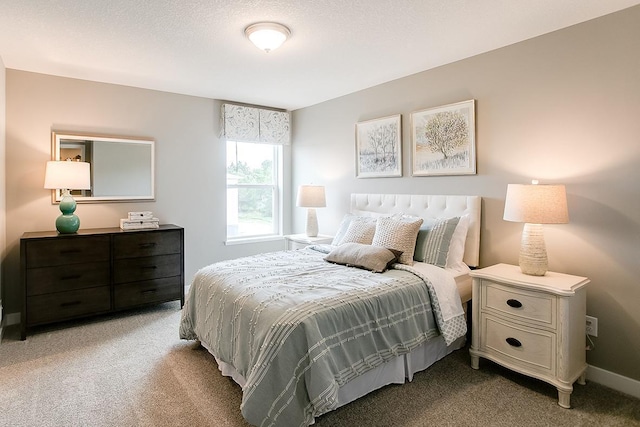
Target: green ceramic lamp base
x=68 y=222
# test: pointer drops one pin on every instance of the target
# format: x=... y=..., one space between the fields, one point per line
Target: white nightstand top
x=303 y=238
x=557 y=283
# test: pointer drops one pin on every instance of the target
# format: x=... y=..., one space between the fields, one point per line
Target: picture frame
x=444 y=140
x=379 y=147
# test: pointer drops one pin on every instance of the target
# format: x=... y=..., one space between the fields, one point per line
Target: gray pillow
x=434 y=239
x=373 y=258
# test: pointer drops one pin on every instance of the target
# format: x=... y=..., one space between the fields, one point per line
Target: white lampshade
x=536 y=204
x=267 y=35
x=311 y=196
x=67 y=175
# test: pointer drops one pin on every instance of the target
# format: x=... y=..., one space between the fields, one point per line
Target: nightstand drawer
x=525 y=347
x=526 y=305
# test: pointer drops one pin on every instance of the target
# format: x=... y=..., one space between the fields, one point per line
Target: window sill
x=232 y=242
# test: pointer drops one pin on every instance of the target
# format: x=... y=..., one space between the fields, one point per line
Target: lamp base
x=68 y=222
x=533 y=253
x=312 y=222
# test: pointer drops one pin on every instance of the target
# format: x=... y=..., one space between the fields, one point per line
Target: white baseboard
x=615 y=381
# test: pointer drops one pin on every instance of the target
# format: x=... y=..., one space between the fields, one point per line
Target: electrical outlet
x=592 y=326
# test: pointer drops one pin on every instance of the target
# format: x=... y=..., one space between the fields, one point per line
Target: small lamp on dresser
x=311 y=197
x=67 y=176
x=535 y=205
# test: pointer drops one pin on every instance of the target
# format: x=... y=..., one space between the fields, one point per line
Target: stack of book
x=139 y=221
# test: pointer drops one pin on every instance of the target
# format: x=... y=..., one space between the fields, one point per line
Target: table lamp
x=67 y=176
x=311 y=197
x=535 y=205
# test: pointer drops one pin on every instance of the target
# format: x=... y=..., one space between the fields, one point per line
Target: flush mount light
x=267 y=35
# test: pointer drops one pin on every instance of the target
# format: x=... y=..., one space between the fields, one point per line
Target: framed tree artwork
x=379 y=147
x=444 y=140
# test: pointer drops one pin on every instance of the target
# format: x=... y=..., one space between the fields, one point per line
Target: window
x=253 y=189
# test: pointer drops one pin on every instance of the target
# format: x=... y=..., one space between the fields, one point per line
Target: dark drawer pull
x=146 y=245
x=149 y=267
x=70 y=304
x=148 y=291
x=69 y=251
x=74 y=277
x=514 y=303
x=513 y=342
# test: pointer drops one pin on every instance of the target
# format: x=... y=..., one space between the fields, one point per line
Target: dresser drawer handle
x=146 y=245
x=149 y=267
x=514 y=303
x=513 y=342
x=149 y=291
x=70 y=304
x=69 y=251
x=74 y=277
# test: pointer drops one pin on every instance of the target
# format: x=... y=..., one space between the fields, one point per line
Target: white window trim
x=277 y=204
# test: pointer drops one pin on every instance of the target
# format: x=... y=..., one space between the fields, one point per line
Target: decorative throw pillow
x=398 y=234
x=360 y=230
x=455 y=259
x=373 y=258
x=434 y=240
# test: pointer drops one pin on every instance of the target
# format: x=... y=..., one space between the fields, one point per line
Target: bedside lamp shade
x=66 y=176
x=535 y=205
x=311 y=197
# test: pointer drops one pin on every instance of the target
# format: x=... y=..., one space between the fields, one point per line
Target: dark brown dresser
x=96 y=271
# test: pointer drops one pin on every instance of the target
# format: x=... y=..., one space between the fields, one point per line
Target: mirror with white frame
x=122 y=168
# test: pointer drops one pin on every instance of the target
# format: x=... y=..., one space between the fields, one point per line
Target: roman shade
x=251 y=124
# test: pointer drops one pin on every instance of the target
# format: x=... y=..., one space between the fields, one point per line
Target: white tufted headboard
x=427 y=207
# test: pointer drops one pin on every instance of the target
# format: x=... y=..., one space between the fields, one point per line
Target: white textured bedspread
x=297 y=327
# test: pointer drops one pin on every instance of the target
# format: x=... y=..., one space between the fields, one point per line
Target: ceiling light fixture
x=267 y=35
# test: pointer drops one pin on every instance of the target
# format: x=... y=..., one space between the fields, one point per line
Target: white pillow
x=342 y=229
x=360 y=230
x=398 y=234
x=456 y=248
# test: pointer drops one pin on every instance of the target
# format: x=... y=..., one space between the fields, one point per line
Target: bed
x=303 y=336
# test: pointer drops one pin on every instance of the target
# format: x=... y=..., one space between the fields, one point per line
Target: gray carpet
x=132 y=370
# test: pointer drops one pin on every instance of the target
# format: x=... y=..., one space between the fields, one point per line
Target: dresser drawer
x=526 y=347
x=67 y=305
x=525 y=305
x=45 y=280
x=142 y=244
x=148 y=291
x=147 y=268
x=62 y=251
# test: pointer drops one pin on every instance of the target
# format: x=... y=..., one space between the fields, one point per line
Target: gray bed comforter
x=297 y=327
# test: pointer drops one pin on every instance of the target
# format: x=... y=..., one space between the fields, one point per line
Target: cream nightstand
x=299 y=241
x=534 y=325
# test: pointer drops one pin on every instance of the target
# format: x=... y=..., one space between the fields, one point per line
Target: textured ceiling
x=197 y=47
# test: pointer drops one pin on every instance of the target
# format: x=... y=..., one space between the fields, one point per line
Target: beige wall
x=190 y=163
x=563 y=108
